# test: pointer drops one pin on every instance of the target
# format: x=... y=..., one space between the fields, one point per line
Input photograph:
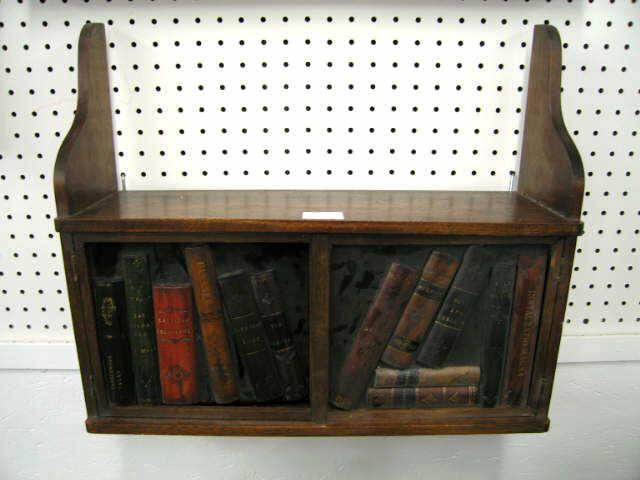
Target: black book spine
x=250 y=336
x=269 y=302
x=467 y=286
x=497 y=310
x=141 y=326
x=109 y=304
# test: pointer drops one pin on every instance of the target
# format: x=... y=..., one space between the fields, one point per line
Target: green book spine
x=141 y=326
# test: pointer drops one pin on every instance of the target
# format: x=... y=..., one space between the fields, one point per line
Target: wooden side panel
x=550 y=169
x=85 y=169
x=83 y=346
x=319 y=327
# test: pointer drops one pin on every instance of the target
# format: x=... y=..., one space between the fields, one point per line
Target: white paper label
x=322 y=216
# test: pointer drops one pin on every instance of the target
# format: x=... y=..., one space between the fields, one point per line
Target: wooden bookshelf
x=545 y=210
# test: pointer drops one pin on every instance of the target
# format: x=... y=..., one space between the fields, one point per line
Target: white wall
x=595 y=434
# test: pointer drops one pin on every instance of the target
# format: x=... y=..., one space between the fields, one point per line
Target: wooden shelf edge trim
x=307 y=429
x=312 y=226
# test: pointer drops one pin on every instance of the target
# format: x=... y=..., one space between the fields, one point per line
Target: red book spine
x=173 y=308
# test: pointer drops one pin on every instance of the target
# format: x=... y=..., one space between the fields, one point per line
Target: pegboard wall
x=374 y=95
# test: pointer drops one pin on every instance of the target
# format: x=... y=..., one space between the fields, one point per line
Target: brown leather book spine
x=471 y=279
x=424 y=397
x=436 y=278
x=373 y=335
x=427 y=377
x=222 y=378
x=173 y=307
x=527 y=305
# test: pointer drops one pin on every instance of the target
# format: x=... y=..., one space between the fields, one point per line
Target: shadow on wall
x=353 y=458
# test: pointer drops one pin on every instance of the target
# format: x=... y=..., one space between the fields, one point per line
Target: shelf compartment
x=364 y=292
x=287 y=264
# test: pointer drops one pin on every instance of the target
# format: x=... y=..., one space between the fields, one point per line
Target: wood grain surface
x=408 y=212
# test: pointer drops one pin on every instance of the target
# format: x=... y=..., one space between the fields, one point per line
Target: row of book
x=174 y=335
x=399 y=353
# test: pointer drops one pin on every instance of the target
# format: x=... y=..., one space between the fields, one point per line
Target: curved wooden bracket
x=85 y=169
x=550 y=168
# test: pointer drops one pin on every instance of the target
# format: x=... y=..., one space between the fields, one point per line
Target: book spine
x=114 y=350
x=213 y=331
x=427 y=377
x=497 y=312
x=173 y=306
x=269 y=302
x=425 y=397
x=142 y=330
x=250 y=336
x=205 y=393
x=437 y=275
x=459 y=302
x=527 y=304
x=373 y=335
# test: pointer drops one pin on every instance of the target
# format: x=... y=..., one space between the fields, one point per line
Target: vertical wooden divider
x=319 y=259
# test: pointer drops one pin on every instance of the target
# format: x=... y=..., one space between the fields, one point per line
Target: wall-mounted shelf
x=331 y=274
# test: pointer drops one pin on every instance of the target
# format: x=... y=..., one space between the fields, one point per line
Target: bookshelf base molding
x=229 y=313
x=445 y=426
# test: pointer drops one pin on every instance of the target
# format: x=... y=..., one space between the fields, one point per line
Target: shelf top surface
x=364 y=211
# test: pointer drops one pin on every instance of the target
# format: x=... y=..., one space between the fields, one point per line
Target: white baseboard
x=38 y=356
x=599 y=348
x=573 y=349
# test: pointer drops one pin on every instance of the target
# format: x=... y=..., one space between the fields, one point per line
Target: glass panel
x=434 y=326
x=186 y=324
